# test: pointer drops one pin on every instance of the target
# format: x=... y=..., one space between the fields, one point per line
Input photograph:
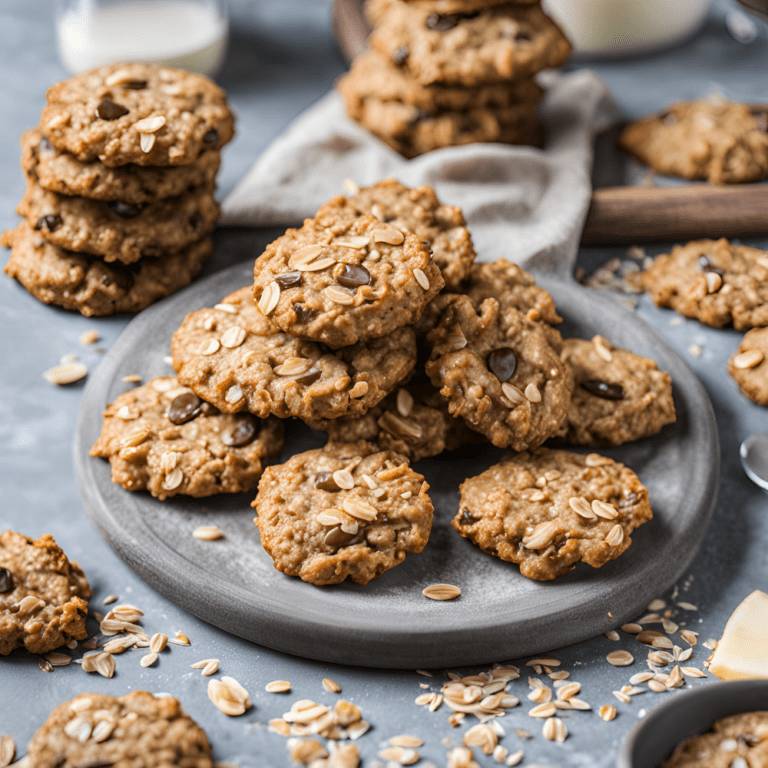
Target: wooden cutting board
x=629 y=214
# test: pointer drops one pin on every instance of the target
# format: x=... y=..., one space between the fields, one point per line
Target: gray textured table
x=281 y=59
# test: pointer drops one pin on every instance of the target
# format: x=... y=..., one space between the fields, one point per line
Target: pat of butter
x=743 y=651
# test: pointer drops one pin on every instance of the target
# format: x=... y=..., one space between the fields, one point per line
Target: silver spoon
x=754 y=459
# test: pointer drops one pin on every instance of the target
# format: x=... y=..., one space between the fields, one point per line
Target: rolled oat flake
x=6 y=581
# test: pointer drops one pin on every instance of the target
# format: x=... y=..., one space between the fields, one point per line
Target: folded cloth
x=522 y=203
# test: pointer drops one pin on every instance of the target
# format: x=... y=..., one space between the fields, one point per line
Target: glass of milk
x=189 y=34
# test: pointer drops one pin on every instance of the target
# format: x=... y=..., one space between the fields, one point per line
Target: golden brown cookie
x=344 y=511
x=234 y=358
x=749 y=368
x=91 y=286
x=713 y=281
x=145 y=114
x=499 y=372
x=43 y=596
x=163 y=438
x=344 y=277
x=547 y=510
x=135 y=731
x=712 y=139
x=618 y=396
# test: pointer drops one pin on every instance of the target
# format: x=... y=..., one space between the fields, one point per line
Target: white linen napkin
x=522 y=203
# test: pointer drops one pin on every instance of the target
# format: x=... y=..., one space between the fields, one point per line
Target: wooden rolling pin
x=627 y=215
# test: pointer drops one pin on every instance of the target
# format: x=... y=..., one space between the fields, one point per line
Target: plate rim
x=283 y=631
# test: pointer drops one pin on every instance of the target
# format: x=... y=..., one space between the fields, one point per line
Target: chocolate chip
x=603 y=389
x=289 y=279
x=109 y=110
x=6 y=581
x=466 y=518
x=211 y=136
x=242 y=432
x=196 y=220
x=124 y=210
x=400 y=56
x=184 y=408
x=705 y=265
x=338 y=538
x=441 y=22
x=135 y=85
x=303 y=313
x=353 y=276
x=746 y=739
x=502 y=363
x=523 y=37
x=325 y=482
x=310 y=377
x=51 y=222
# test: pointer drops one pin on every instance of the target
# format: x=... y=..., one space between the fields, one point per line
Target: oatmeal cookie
x=344 y=511
x=713 y=281
x=749 y=368
x=618 y=396
x=234 y=357
x=87 y=284
x=42 y=595
x=738 y=740
x=137 y=113
x=547 y=510
x=163 y=438
x=375 y=76
x=418 y=211
x=412 y=131
x=499 y=372
x=714 y=140
x=118 y=231
x=61 y=172
x=504 y=42
x=344 y=277
x=414 y=422
x=134 y=731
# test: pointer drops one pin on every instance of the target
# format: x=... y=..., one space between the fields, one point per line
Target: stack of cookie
x=372 y=323
x=447 y=72
x=120 y=178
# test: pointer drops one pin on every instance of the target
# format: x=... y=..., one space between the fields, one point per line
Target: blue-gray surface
x=282 y=58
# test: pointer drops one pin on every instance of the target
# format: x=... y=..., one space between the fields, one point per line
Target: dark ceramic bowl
x=687 y=714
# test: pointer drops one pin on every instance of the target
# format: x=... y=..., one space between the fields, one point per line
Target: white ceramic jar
x=615 y=28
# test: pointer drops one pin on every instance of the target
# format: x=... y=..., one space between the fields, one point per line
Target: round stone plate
x=232 y=584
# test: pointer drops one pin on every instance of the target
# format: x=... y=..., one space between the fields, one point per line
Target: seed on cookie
x=581 y=507
x=748 y=359
x=269 y=298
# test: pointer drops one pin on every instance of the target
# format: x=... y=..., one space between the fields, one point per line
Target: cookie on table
x=712 y=139
x=412 y=131
x=714 y=281
x=348 y=510
x=506 y=42
x=344 y=277
x=89 y=285
x=119 y=231
x=134 y=731
x=233 y=357
x=145 y=114
x=618 y=396
x=61 y=172
x=43 y=596
x=374 y=9
x=418 y=211
x=413 y=422
x=749 y=368
x=163 y=438
x=500 y=373
x=547 y=510
x=738 y=740
x=374 y=76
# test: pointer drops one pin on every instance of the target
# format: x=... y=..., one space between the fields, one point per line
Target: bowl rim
x=736 y=693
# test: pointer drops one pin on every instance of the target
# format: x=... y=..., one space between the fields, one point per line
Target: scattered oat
x=89 y=337
x=306 y=751
x=404 y=740
x=695 y=350
x=110 y=599
x=158 y=642
x=67 y=373
x=7 y=750
x=149 y=659
x=332 y=687
x=441 y=592
x=515 y=758
x=278 y=686
x=208 y=533
x=612 y=635
x=229 y=696
x=620 y=658
x=692 y=672
x=607 y=712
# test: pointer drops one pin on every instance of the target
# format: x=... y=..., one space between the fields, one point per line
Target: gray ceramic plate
x=500 y=614
x=687 y=714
